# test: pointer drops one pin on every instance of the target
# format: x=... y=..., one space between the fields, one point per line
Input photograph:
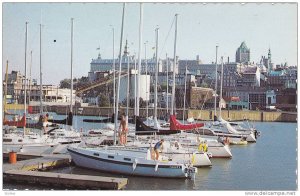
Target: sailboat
x=26 y=142
x=19 y=123
x=121 y=160
x=220 y=128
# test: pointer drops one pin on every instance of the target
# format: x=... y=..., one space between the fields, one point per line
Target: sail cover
x=176 y=125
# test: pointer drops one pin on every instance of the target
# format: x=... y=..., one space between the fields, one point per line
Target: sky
x=200 y=28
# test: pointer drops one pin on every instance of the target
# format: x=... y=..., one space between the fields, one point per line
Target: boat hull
x=102 y=163
x=29 y=148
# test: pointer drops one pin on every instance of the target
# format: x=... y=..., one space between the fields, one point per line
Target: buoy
x=12 y=157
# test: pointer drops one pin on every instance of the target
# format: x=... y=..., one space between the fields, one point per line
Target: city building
x=100 y=66
x=179 y=79
x=250 y=77
x=16 y=88
x=162 y=99
x=144 y=83
x=199 y=96
x=242 y=54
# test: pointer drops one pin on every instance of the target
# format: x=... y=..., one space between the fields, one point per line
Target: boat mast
x=30 y=78
x=147 y=90
x=140 y=62
x=127 y=90
x=5 y=90
x=167 y=82
x=25 y=88
x=156 y=76
x=41 y=83
x=216 y=82
x=119 y=75
x=71 y=93
x=114 y=70
x=184 y=97
x=221 y=87
x=135 y=87
x=174 y=67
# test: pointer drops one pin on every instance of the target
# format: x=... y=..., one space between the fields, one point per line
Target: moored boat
x=138 y=164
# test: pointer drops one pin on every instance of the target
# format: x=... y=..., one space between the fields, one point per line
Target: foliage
x=103 y=100
x=65 y=83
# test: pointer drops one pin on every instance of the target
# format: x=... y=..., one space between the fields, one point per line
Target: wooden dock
x=32 y=171
x=65 y=180
x=38 y=163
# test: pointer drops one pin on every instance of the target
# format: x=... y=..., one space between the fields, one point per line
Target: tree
x=103 y=100
x=204 y=85
x=142 y=102
x=65 y=83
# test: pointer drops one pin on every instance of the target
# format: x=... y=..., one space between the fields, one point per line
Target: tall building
x=100 y=65
x=242 y=54
x=267 y=62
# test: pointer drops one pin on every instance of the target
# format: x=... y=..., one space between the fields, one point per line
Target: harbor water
x=269 y=164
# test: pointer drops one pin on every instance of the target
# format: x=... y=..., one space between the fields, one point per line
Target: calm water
x=269 y=164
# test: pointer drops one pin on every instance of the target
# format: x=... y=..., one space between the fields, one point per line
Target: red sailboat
x=176 y=125
x=17 y=123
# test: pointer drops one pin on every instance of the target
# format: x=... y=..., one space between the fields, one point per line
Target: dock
x=65 y=180
x=32 y=170
x=38 y=162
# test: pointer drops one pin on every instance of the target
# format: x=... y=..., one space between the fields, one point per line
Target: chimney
x=197 y=58
x=228 y=60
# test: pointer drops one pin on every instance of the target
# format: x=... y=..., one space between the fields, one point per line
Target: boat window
x=20 y=140
x=111 y=157
x=127 y=159
x=96 y=154
x=7 y=140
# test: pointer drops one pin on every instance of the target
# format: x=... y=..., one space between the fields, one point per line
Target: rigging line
x=167 y=37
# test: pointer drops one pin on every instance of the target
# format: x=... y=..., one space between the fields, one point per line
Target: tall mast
x=221 y=86
x=167 y=83
x=71 y=93
x=119 y=75
x=25 y=86
x=147 y=90
x=174 y=67
x=127 y=90
x=184 y=97
x=5 y=90
x=135 y=88
x=41 y=83
x=30 y=77
x=140 y=62
x=216 y=82
x=114 y=70
x=156 y=76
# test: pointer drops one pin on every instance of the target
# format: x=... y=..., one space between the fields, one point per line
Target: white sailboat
x=129 y=163
x=172 y=150
x=23 y=141
x=250 y=135
x=194 y=141
x=122 y=160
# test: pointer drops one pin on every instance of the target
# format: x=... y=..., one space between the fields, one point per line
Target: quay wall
x=205 y=115
x=240 y=115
